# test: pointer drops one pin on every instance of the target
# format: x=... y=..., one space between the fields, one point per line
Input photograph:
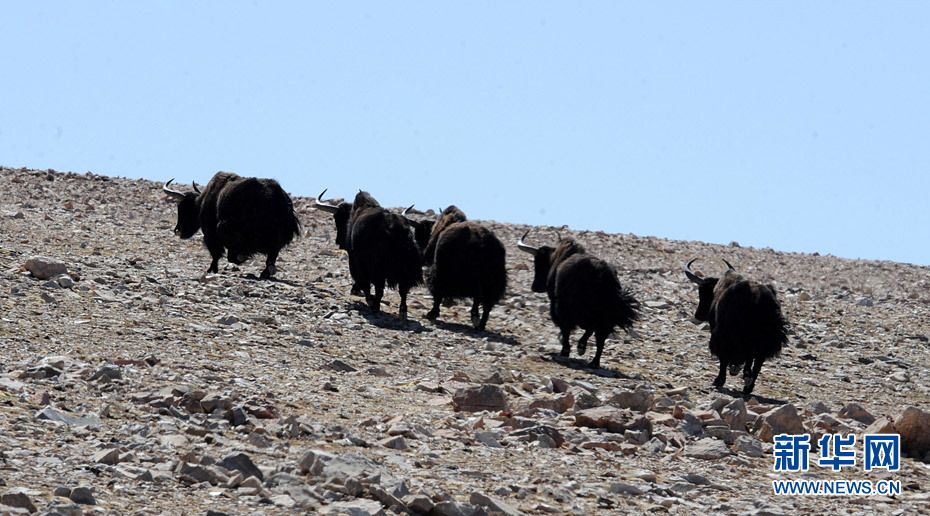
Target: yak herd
x=241 y=217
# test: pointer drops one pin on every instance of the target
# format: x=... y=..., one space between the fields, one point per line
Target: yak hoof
x=582 y=347
x=432 y=314
x=595 y=364
x=268 y=272
x=565 y=352
x=718 y=382
x=476 y=321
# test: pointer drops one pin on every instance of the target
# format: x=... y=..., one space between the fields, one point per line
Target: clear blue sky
x=799 y=126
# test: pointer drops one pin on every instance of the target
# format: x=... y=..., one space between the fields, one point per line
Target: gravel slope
x=338 y=410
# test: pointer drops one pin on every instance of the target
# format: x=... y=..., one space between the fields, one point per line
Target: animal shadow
x=385 y=320
x=252 y=277
x=580 y=364
x=735 y=393
x=470 y=331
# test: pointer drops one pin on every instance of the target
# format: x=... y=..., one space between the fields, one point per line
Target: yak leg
x=566 y=347
x=486 y=311
x=747 y=370
x=474 y=314
x=216 y=252
x=583 y=342
x=374 y=302
x=434 y=313
x=270 y=268
x=402 y=311
x=722 y=375
x=599 y=337
x=751 y=380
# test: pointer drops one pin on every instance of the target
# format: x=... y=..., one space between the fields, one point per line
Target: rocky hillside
x=131 y=383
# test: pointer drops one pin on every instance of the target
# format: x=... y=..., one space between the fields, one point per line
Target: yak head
x=341 y=213
x=543 y=260
x=706 y=289
x=188 y=210
x=425 y=230
x=422 y=229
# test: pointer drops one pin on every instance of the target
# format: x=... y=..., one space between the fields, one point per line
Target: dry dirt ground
x=143 y=386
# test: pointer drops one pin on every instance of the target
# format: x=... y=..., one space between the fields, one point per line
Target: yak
x=584 y=292
x=746 y=323
x=464 y=260
x=240 y=216
x=381 y=248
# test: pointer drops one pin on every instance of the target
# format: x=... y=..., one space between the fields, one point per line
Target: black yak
x=583 y=292
x=381 y=248
x=240 y=216
x=463 y=259
x=746 y=323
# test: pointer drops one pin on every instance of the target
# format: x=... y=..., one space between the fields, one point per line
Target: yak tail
x=292 y=224
x=626 y=307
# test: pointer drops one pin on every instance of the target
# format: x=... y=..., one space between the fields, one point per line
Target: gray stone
x=735 y=414
x=53 y=414
x=396 y=442
x=748 y=445
x=357 y=507
x=110 y=456
x=242 y=463
x=707 y=448
x=477 y=399
x=613 y=419
x=625 y=488
x=493 y=505
x=654 y=445
x=855 y=412
x=45 y=268
x=83 y=496
x=106 y=373
x=340 y=366
x=914 y=426
x=18 y=500
x=782 y=420
x=640 y=400
x=419 y=504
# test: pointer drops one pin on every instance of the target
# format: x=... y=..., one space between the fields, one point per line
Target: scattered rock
x=53 y=414
x=242 y=463
x=707 y=448
x=83 y=496
x=478 y=399
x=18 y=500
x=613 y=420
x=914 y=426
x=45 y=268
x=783 y=420
x=493 y=505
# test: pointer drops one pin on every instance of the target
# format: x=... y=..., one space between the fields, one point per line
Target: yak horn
x=194 y=184
x=526 y=248
x=404 y=213
x=325 y=206
x=728 y=265
x=692 y=276
x=173 y=193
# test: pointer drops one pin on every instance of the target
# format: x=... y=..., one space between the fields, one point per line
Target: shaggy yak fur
x=464 y=260
x=746 y=323
x=584 y=292
x=381 y=249
x=239 y=216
